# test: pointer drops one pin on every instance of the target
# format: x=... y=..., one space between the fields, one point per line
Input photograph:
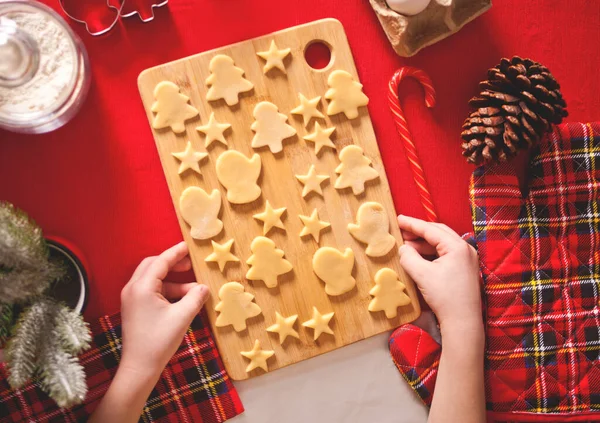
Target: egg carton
x=441 y=18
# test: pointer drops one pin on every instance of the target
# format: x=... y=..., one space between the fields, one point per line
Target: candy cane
x=402 y=127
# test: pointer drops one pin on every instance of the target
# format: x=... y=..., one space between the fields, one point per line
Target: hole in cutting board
x=318 y=54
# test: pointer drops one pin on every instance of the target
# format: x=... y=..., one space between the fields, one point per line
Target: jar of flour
x=44 y=69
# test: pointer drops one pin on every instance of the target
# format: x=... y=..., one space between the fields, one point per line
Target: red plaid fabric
x=194 y=386
x=540 y=261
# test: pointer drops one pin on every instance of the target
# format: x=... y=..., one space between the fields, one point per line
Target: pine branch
x=6 y=321
x=61 y=375
x=71 y=330
x=23 y=348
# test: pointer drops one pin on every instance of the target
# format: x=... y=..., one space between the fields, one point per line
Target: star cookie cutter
x=101 y=16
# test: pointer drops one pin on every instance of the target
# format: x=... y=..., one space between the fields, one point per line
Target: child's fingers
x=183 y=265
x=416 y=266
x=173 y=291
x=191 y=303
x=142 y=267
x=408 y=236
x=448 y=230
x=159 y=268
x=431 y=233
x=422 y=247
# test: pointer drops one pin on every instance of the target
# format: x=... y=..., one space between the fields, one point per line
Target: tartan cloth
x=540 y=262
x=194 y=387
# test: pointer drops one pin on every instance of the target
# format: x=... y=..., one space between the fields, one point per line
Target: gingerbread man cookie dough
x=235 y=307
x=266 y=262
x=345 y=94
x=171 y=107
x=226 y=80
x=354 y=170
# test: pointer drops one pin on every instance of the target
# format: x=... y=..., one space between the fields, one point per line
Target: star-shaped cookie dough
x=271 y=218
x=274 y=57
x=258 y=357
x=189 y=159
x=308 y=109
x=221 y=254
x=312 y=181
x=321 y=137
x=284 y=326
x=319 y=322
x=213 y=130
x=312 y=225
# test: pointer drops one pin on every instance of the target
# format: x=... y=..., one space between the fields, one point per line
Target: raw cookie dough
x=171 y=107
x=284 y=326
x=388 y=293
x=312 y=225
x=270 y=127
x=308 y=109
x=201 y=211
x=345 y=94
x=312 y=181
x=274 y=57
x=373 y=228
x=226 y=80
x=266 y=262
x=354 y=170
x=235 y=307
x=213 y=131
x=238 y=174
x=221 y=254
x=271 y=218
x=319 y=322
x=321 y=137
x=335 y=269
x=258 y=357
x=189 y=159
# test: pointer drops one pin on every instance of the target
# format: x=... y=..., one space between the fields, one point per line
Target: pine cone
x=518 y=104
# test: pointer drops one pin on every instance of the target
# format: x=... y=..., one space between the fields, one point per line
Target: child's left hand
x=153 y=327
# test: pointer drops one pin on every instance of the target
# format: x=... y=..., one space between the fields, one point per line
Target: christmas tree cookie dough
x=258 y=357
x=312 y=225
x=171 y=107
x=373 y=228
x=201 y=212
x=312 y=182
x=213 y=131
x=271 y=218
x=226 y=80
x=189 y=159
x=235 y=307
x=274 y=57
x=335 y=269
x=221 y=254
x=308 y=109
x=345 y=94
x=284 y=326
x=388 y=293
x=354 y=170
x=321 y=137
x=266 y=262
x=320 y=323
x=270 y=127
x=239 y=175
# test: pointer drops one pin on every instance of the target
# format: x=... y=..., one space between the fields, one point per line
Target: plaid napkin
x=193 y=387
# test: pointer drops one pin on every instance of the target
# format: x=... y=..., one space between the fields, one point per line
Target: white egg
x=408 y=7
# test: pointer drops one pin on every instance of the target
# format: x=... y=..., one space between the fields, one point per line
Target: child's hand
x=450 y=283
x=152 y=326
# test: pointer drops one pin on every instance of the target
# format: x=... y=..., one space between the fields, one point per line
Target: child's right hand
x=450 y=283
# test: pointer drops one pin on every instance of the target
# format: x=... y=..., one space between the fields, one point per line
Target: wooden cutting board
x=299 y=290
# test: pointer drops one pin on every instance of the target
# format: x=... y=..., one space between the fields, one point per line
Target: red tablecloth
x=98 y=181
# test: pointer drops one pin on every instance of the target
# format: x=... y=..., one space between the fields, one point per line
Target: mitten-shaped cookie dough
x=388 y=293
x=372 y=228
x=171 y=107
x=226 y=80
x=235 y=307
x=345 y=94
x=354 y=170
x=201 y=212
x=335 y=269
x=266 y=262
x=270 y=127
x=238 y=174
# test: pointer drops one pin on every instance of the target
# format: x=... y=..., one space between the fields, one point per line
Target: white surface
x=358 y=383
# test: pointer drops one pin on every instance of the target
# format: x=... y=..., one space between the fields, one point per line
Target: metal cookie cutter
x=143 y=8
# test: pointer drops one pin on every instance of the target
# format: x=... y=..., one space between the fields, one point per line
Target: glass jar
x=44 y=68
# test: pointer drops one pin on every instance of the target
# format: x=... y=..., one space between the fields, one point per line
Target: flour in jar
x=54 y=80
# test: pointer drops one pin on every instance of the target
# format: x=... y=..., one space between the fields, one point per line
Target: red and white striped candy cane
x=402 y=127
